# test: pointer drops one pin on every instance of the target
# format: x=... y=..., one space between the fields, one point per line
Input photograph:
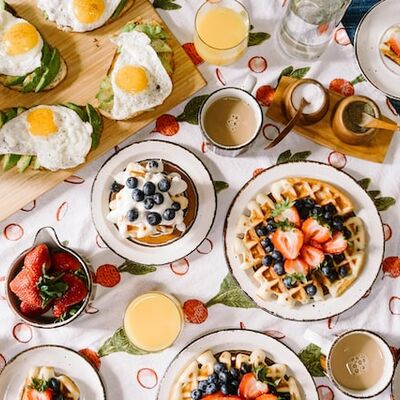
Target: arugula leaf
x=39 y=384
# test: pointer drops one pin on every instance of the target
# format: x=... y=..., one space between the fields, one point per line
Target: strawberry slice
x=30 y=311
x=64 y=262
x=37 y=260
x=338 y=244
x=313 y=230
x=288 y=242
x=75 y=293
x=290 y=214
x=250 y=388
x=267 y=397
x=33 y=394
x=220 y=396
x=394 y=45
x=297 y=266
x=312 y=256
x=24 y=286
x=316 y=245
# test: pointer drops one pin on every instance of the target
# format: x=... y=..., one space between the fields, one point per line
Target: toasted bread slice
x=387 y=52
x=138 y=20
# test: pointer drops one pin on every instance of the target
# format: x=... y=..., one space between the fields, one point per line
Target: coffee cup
x=358 y=362
x=231 y=118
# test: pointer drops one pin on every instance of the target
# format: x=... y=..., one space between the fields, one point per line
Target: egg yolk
x=41 y=122
x=89 y=11
x=20 y=38
x=132 y=79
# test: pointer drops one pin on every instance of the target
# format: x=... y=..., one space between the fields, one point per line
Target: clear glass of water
x=308 y=26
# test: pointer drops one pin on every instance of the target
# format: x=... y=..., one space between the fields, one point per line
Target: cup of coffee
x=358 y=362
x=231 y=119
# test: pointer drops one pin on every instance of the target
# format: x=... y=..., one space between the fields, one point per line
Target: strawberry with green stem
x=345 y=87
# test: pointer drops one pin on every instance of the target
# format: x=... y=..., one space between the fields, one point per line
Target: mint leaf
x=231 y=295
x=135 y=268
x=220 y=186
x=256 y=38
x=311 y=356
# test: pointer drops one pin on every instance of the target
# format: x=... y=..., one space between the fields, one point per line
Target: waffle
x=201 y=368
x=250 y=252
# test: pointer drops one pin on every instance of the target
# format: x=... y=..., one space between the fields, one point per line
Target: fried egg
x=79 y=15
x=55 y=134
x=139 y=80
x=20 y=46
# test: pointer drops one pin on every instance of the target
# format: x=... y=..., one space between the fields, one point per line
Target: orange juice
x=221 y=33
x=153 y=321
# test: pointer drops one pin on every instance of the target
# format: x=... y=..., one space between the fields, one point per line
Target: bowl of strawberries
x=49 y=284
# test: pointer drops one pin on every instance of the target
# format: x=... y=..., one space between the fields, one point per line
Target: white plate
x=396 y=383
x=64 y=360
x=206 y=197
x=244 y=340
x=384 y=75
x=364 y=208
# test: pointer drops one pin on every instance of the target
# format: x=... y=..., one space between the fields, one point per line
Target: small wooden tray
x=323 y=134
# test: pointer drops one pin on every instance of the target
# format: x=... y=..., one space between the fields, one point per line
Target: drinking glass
x=221 y=31
x=308 y=26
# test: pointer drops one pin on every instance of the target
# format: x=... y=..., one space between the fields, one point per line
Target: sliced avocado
x=2 y=5
x=119 y=9
x=3 y=118
x=10 y=114
x=20 y=110
x=160 y=46
x=83 y=115
x=105 y=96
x=35 y=163
x=167 y=60
x=23 y=163
x=10 y=161
x=51 y=71
x=96 y=122
x=14 y=80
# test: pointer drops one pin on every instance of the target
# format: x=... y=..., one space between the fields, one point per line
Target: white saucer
x=364 y=208
x=206 y=198
x=244 y=340
x=64 y=360
x=383 y=74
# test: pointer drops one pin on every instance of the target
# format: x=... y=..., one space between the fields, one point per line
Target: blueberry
x=266 y=242
x=328 y=216
x=261 y=231
x=225 y=388
x=133 y=215
x=330 y=208
x=271 y=227
x=152 y=164
x=311 y=290
x=304 y=212
x=338 y=258
x=245 y=368
x=288 y=282
x=213 y=378
x=233 y=387
x=164 y=185
x=337 y=223
x=175 y=206
x=284 y=396
x=276 y=255
x=235 y=374
x=202 y=385
x=343 y=271
x=58 y=396
x=169 y=214
x=148 y=203
x=326 y=270
x=54 y=384
x=158 y=198
x=153 y=218
x=317 y=211
x=131 y=182
x=137 y=195
x=346 y=233
x=196 y=394
x=149 y=188
x=267 y=261
x=223 y=376
x=211 y=388
x=219 y=367
x=333 y=276
x=328 y=260
x=116 y=187
x=279 y=269
x=309 y=203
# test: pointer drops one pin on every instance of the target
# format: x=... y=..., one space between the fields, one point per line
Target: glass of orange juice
x=153 y=321
x=221 y=31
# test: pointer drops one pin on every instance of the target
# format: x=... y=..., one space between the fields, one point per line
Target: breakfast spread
x=152 y=202
x=235 y=375
x=42 y=383
x=27 y=62
x=139 y=77
x=49 y=280
x=83 y=15
x=52 y=137
x=390 y=46
x=301 y=242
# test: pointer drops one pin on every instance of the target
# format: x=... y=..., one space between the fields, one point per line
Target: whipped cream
x=123 y=202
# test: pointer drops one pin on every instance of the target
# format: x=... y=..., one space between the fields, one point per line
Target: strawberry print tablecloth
x=201 y=281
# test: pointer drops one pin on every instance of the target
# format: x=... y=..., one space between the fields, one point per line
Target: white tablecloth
x=67 y=209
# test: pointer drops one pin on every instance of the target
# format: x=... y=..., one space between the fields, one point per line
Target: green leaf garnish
x=280 y=208
x=39 y=384
x=311 y=358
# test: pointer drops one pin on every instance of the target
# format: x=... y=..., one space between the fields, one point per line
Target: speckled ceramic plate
x=379 y=71
x=184 y=160
x=64 y=360
x=364 y=208
x=244 y=340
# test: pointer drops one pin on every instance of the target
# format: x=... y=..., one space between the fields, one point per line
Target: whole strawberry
x=64 y=262
x=38 y=259
x=75 y=293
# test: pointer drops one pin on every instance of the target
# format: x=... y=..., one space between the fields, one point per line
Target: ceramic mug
x=329 y=349
x=243 y=93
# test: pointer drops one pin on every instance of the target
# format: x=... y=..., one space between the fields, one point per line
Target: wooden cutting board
x=322 y=132
x=88 y=56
